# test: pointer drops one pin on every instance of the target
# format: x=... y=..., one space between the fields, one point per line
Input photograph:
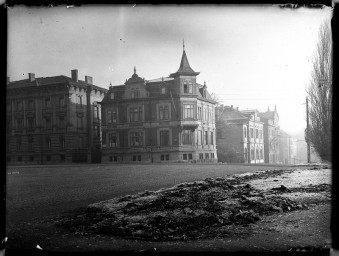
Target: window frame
x=136 y=135
x=110 y=143
x=186 y=136
x=188 y=111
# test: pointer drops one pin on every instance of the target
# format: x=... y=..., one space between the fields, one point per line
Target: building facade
x=239 y=135
x=271 y=135
x=53 y=120
x=170 y=119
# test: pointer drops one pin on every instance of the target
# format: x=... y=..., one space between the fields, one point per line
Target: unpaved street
x=35 y=192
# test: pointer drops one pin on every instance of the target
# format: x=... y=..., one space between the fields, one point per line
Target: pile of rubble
x=209 y=208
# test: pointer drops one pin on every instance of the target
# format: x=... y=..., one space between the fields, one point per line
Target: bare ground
x=302 y=222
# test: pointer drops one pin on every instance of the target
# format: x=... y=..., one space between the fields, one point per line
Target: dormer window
x=163 y=90
x=112 y=96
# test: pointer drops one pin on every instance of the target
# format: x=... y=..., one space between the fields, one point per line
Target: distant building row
x=170 y=119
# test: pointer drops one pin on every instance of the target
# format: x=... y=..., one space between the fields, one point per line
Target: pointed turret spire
x=183 y=44
x=135 y=70
x=185 y=68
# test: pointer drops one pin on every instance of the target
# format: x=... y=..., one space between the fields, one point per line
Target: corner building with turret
x=169 y=119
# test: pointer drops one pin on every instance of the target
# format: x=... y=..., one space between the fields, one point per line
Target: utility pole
x=307 y=134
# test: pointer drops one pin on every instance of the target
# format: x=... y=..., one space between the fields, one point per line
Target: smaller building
x=271 y=135
x=239 y=135
x=285 y=156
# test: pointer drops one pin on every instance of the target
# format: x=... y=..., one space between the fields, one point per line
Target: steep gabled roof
x=185 y=68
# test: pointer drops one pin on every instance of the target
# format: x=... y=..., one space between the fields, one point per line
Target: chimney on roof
x=74 y=75
x=8 y=80
x=89 y=79
x=31 y=77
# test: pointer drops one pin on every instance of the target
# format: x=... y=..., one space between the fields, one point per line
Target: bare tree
x=320 y=96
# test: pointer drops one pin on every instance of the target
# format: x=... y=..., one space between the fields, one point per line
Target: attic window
x=163 y=90
x=112 y=96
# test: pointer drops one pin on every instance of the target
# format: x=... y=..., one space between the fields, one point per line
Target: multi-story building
x=239 y=135
x=271 y=135
x=53 y=119
x=285 y=155
x=170 y=119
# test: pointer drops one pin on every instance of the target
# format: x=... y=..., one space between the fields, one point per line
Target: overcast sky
x=251 y=57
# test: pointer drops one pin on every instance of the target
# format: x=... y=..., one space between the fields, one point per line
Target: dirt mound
x=213 y=207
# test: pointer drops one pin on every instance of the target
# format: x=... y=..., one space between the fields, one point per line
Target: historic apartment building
x=53 y=120
x=170 y=119
x=271 y=135
x=239 y=135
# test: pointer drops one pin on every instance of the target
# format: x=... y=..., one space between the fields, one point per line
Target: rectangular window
x=112 y=116
x=31 y=104
x=184 y=156
x=199 y=113
x=79 y=122
x=257 y=154
x=162 y=157
x=251 y=132
x=252 y=154
x=211 y=138
x=188 y=87
x=48 y=158
x=30 y=143
x=188 y=111
x=62 y=142
x=212 y=155
x=31 y=158
x=201 y=156
x=19 y=158
x=62 y=157
x=186 y=137
x=48 y=123
x=190 y=157
x=136 y=139
x=139 y=157
x=205 y=114
x=112 y=96
x=245 y=132
x=31 y=123
x=164 y=138
x=18 y=143
x=206 y=137
x=19 y=106
x=48 y=142
x=96 y=112
x=199 y=139
x=61 y=122
x=256 y=133
x=207 y=156
x=112 y=140
x=47 y=102
x=163 y=112
x=135 y=114
x=19 y=124
x=61 y=101
x=167 y=157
